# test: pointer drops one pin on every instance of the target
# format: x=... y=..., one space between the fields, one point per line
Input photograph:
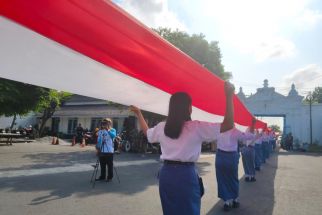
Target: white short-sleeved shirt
x=258 y=139
x=265 y=138
x=187 y=147
x=250 y=138
x=272 y=136
x=228 y=141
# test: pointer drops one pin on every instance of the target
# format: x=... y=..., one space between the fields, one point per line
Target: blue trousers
x=179 y=189
x=227 y=174
x=248 y=158
x=258 y=155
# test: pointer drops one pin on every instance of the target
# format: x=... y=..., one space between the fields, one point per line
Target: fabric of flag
x=94 y=48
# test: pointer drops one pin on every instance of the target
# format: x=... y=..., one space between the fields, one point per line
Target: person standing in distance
x=180 y=139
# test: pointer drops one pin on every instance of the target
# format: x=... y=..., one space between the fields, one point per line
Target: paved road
x=38 y=178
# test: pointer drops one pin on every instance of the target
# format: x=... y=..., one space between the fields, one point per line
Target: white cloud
x=153 y=13
x=274 y=48
x=308 y=19
x=263 y=28
x=305 y=79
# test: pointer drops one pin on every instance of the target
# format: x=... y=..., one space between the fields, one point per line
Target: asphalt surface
x=39 y=178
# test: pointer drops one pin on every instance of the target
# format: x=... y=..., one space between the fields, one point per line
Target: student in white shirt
x=258 y=151
x=227 y=159
x=248 y=154
x=180 y=139
x=265 y=145
x=272 y=141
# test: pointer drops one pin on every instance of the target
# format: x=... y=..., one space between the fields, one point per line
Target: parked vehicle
x=134 y=141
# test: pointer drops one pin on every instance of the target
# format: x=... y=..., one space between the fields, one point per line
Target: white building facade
x=267 y=102
x=85 y=111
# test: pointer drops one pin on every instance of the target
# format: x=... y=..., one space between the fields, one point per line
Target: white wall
x=297 y=116
x=21 y=121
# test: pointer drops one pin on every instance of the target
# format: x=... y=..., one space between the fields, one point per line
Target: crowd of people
x=180 y=137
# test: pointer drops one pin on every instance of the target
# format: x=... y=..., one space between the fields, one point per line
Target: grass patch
x=314 y=148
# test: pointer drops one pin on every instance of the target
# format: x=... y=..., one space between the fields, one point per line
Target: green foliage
x=316 y=96
x=198 y=48
x=50 y=99
x=275 y=128
x=314 y=148
x=18 y=98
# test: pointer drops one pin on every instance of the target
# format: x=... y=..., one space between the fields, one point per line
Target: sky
x=278 y=40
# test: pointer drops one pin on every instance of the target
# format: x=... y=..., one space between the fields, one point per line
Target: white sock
x=229 y=202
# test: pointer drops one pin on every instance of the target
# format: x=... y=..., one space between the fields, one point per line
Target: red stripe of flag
x=107 y=34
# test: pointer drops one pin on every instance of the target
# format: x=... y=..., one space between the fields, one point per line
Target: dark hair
x=179 y=113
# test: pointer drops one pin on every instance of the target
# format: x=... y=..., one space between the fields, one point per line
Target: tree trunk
x=13 y=121
x=48 y=113
x=42 y=126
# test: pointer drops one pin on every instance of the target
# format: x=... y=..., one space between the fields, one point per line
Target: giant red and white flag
x=96 y=49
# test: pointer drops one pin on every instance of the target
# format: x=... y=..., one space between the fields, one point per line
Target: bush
x=314 y=148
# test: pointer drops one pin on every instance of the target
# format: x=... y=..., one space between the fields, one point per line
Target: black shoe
x=109 y=180
x=227 y=207
x=236 y=204
x=253 y=179
x=247 y=179
x=258 y=169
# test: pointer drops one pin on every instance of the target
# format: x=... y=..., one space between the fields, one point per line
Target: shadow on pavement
x=134 y=178
x=287 y=153
x=50 y=160
x=255 y=198
x=203 y=167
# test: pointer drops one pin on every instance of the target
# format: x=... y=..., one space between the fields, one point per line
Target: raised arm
x=252 y=127
x=228 y=122
x=142 y=122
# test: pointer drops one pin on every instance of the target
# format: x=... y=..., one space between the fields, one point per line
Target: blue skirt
x=274 y=145
x=248 y=158
x=179 y=189
x=227 y=174
x=265 y=151
x=258 y=155
x=271 y=145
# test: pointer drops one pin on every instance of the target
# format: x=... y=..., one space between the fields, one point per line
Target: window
x=55 y=124
x=72 y=124
x=95 y=123
x=115 y=123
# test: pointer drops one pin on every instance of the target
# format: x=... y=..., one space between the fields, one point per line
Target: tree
x=17 y=98
x=49 y=102
x=198 y=48
x=275 y=128
x=316 y=96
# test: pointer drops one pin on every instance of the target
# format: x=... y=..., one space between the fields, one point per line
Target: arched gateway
x=267 y=102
